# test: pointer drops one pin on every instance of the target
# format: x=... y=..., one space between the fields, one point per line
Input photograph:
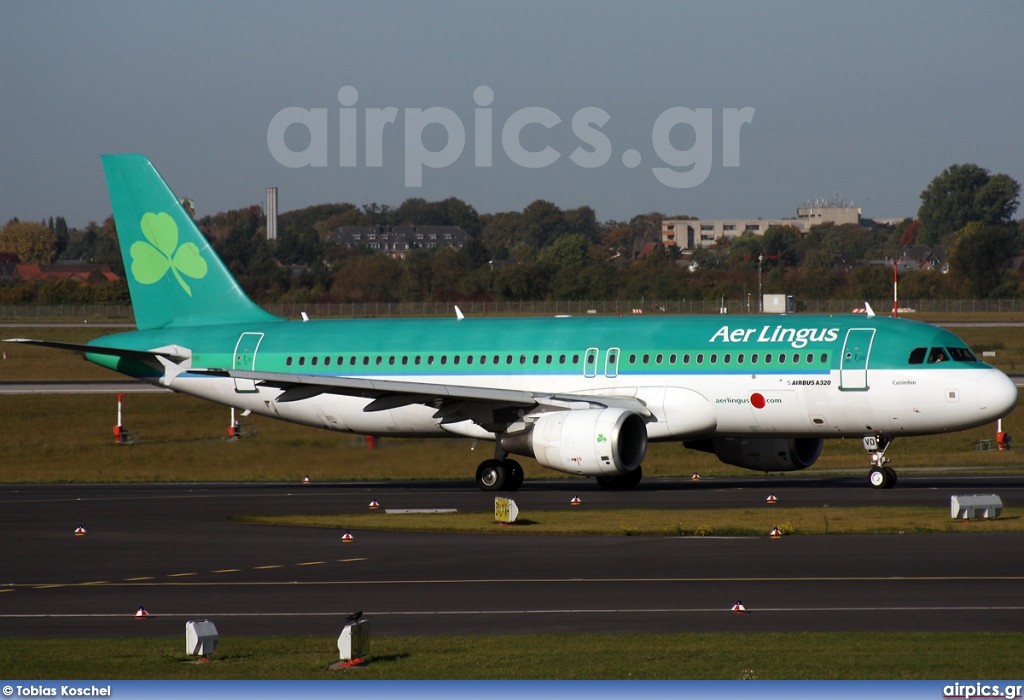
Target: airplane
x=583 y=396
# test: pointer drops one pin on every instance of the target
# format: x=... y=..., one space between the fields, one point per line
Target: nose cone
x=997 y=394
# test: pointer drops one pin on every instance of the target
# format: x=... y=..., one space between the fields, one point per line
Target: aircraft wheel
x=515 y=475
x=891 y=473
x=491 y=475
x=879 y=479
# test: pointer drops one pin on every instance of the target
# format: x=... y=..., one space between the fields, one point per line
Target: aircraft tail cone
x=738 y=608
x=374 y=505
x=776 y=533
x=575 y=501
x=771 y=499
x=141 y=613
x=347 y=537
x=79 y=531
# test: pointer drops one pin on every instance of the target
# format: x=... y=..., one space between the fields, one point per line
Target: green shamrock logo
x=601 y=437
x=150 y=261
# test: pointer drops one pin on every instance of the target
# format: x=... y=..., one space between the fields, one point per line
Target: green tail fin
x=174 y=276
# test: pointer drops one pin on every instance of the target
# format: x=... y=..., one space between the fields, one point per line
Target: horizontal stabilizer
x=173 y=353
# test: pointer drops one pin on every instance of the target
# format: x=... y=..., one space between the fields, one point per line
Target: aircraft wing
x=490 y=407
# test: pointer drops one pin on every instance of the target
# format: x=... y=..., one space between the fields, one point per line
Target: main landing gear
x=880 y=476
x=499 y=475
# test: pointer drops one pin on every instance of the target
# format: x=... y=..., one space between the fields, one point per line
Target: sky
x=747 y=108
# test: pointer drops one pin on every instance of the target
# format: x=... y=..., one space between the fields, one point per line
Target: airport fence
x=32 y=313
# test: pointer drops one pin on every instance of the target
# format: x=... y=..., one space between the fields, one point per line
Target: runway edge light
x=141 y=613
x=79 y=531
x=776 y=533
x=575 y=501
x=771 y=499
x=738 y=608
x=347 y=537
x=374 y=505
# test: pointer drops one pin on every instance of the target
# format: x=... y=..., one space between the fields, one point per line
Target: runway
x=170 y=548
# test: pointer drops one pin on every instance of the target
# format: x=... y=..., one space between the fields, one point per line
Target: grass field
x=734 y=655
x=732 y=522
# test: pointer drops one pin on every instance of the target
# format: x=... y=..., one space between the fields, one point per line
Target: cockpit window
x=936 y=355
x=917 y=356
x=962 y=355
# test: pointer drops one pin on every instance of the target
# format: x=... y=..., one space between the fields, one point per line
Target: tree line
x=545 y=253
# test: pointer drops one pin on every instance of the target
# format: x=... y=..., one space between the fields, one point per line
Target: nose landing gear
x=880 y=476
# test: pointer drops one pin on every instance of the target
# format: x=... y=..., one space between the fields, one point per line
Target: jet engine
x=588 y=442
x=762 y=454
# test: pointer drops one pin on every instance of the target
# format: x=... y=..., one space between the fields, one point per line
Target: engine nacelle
x=763 y=454
x=589 y=442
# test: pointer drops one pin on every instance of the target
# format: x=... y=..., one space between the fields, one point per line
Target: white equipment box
x=200 y=637
x=975 y=506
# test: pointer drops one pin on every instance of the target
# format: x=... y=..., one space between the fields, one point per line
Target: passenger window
x=700 y=359
x=796 y=358
x=405 y=359
x=327 y=360
x=379 y=360
x=313 y=360
x=937 y=355
x=647 y=358
x=632 y=359
x=824 y=358
x=561 y=359
x=672 y=359
x=288 y=362
x=469 y=359
x=727 y=359
x=686 y=359
x=454 y=359
x=391 y=360
x=508 y=359
x=740 y=358
x=591 y=359
x=810 y=358
x=352 y=360
x=575 y=359
x=548 y=360
x=714 y=358
x=536 y=359
x=496 y=360
x=782 y=358
x=917 y=356
x=430 y=359
x=444 y=359
x=416 y=360
x=522 y=359
x=341 y=360
x=658 y=359
x=302 y=361
x=768 y=358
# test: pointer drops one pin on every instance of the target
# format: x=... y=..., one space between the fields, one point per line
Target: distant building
x=71 y=270
x=689 y=234
x=399 y=241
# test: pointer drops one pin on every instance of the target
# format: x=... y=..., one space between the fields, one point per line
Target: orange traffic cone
x=776 y=533
x=575 y=501
x=771 y=499
x=79 y=531
x=738 y=608
x=141 y=613
x=347 y=537
x=374 y=505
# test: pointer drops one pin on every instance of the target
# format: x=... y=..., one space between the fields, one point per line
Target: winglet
x=458 y=314
x=869 y=310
